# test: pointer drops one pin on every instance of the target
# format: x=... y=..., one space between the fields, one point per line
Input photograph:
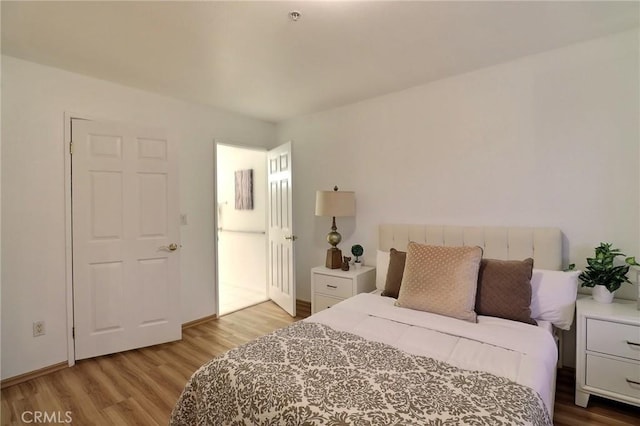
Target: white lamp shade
x=335 y=203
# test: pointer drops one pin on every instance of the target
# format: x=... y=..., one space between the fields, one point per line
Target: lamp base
x=334 y=258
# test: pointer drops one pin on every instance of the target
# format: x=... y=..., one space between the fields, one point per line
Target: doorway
x=241 y=188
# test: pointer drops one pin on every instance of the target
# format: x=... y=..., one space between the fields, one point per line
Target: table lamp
x=335 y=204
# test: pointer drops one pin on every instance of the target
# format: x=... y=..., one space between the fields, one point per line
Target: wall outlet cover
x=38 y=328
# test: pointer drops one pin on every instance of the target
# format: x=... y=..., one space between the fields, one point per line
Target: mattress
x=523 y=353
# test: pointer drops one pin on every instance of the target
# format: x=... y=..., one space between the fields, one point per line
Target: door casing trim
x=68 y=228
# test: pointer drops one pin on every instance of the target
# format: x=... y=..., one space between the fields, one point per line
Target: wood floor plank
x=129 y=412
x=46 y=398
x=69 y=388
x=600 y=412
x=141 y=386
x=97 y=386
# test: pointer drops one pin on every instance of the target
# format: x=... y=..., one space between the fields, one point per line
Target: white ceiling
x=250 y=58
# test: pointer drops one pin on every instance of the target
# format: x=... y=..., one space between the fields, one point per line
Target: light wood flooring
x=140 y=387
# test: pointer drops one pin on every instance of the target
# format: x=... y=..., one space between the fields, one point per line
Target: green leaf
x=357 y=250
x=601 y=269
x=632 y=261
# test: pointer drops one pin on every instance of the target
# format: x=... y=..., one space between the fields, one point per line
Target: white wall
x=548 y=140
x=34 y=100
x=242 y=257
x=229 y=160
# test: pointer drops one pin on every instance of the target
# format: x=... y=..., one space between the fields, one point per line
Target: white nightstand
x=607 y=351
x=330 y=286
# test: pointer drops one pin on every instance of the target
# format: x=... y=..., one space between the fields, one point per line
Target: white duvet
x=521 y=352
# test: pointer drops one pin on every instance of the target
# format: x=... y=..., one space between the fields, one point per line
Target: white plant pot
x=357 y=265
x=601 y=294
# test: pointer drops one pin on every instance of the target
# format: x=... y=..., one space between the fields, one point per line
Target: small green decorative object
x=357 y=251
x=600 y=269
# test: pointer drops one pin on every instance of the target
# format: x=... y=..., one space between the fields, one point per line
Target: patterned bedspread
x=310 y=374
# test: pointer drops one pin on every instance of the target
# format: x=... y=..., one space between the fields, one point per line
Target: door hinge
x=71 y=147
x=73 y=332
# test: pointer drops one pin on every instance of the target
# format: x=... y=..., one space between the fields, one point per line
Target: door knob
x=170 y=247
x=291 y=237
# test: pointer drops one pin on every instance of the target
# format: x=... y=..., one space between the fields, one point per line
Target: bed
x=376 y=359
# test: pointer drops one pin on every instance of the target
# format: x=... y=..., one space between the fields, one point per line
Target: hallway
x=242 y=239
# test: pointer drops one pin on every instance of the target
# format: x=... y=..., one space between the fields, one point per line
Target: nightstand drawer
x=330 y=286
x=334 y=286
x=613 y=375
x=613 y=338
x=323 y=302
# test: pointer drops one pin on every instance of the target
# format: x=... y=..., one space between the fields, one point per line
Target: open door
x=126 y=277
x=281 y=273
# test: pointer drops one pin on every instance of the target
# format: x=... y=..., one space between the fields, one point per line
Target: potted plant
x=602 y=275
x=357 y=251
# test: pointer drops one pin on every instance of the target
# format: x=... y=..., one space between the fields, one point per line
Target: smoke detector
x=294 y=15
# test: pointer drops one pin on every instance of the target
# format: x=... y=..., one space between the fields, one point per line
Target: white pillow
x=382 y=266
x=553 y=296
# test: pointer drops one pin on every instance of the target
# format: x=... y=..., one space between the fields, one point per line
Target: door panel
x=125 y=214
x=106 y=205
x=153 y=204
x=106 y=296
x=282 y=285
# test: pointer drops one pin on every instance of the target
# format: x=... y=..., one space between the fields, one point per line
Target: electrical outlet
x=38 y=328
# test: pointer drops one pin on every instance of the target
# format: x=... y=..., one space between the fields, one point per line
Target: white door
x=126 y=277
x=281 y=281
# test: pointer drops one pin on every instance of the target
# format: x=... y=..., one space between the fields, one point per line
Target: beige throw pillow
x=441 y=280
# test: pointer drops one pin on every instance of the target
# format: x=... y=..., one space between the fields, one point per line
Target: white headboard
x=544 y=245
